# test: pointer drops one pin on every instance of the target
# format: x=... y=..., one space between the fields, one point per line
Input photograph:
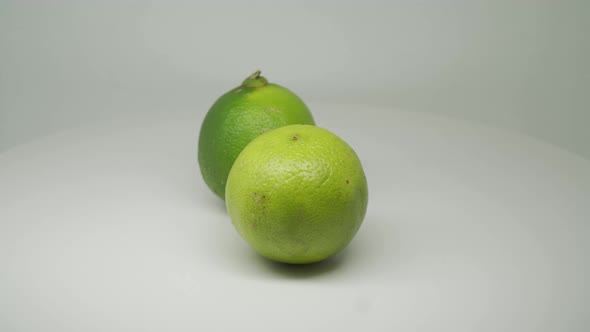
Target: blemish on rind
x=347 y=182
x=258 y=197
x=295 y=137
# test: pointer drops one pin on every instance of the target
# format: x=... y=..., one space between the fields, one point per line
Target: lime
x=297 y=194
x=239 y=116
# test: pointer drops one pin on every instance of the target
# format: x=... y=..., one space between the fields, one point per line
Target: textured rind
x=236 y=118
x=297 y=194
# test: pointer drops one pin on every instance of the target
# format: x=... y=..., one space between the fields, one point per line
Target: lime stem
x=255 y=81
x=254 y=75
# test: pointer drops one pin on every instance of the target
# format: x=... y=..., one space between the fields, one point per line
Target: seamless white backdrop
x=105 y=224
x=521 y=65
x=469 y=228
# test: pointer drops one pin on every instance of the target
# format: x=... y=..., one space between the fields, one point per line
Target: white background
x=469 y=117
x=519 y=64
x=469 y=228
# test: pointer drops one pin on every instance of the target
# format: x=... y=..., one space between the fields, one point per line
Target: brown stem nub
x=255 y=81
x=255 y=75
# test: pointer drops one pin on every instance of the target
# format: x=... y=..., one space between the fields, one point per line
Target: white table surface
x=469 y=228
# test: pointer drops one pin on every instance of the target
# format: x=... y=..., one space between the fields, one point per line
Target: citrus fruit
x=297 y=194
x=239 y=116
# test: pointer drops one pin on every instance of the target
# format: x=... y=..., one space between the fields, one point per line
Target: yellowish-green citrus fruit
x=239 y=116
x=297 y=194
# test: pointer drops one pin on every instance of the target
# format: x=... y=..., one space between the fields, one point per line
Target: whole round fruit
x=297 y=194
x=239 y=116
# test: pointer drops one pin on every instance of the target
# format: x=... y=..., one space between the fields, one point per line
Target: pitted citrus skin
x=297 y=194
x=238 y=117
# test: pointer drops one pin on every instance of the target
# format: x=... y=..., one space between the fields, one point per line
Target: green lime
x=239 y=116
x=297 y=194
